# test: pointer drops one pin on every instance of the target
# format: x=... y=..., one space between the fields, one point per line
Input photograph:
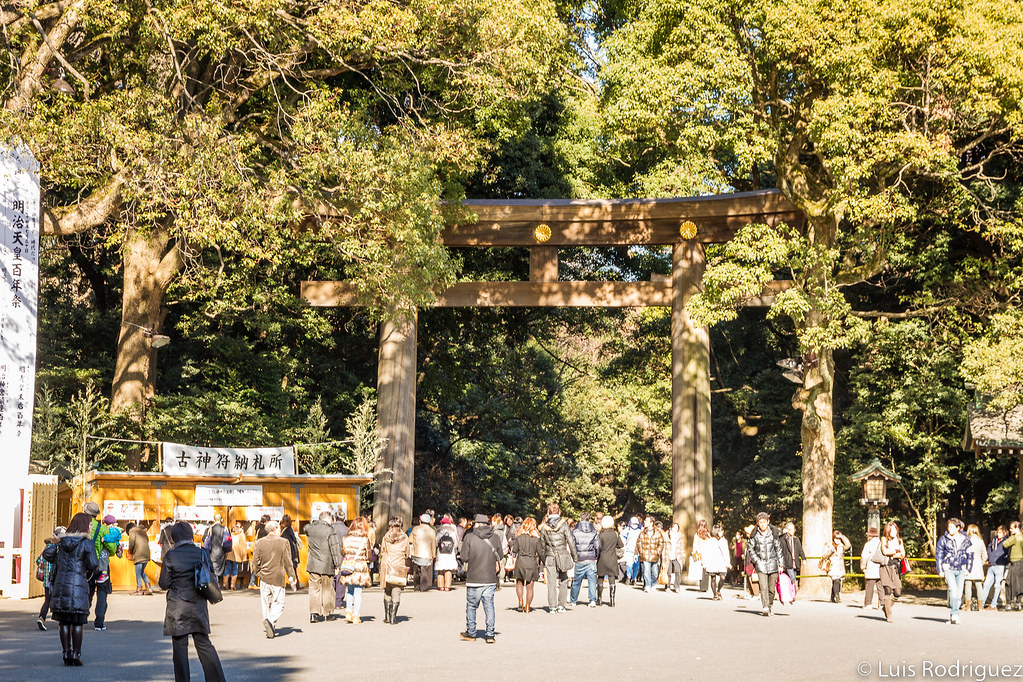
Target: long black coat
x=217 y=554
x=607 y=563
x=74 y=560
x=187 y=610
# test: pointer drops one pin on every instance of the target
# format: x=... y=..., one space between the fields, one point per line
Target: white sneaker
x=953 y=620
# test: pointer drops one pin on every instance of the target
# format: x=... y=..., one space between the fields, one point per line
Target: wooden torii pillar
x=543 y=226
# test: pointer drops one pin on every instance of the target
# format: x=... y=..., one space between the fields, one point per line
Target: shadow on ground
x=136 y=651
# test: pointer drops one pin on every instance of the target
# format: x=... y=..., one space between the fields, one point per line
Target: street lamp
x=875 y=478
x=157 y=340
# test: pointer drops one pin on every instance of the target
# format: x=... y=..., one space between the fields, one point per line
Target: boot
x=394 y=613
x=611 y=596
x=887 y=604
x=600 y=595
x=76 y=644
x=65 y=642
x=975 y=606
x=387 y=612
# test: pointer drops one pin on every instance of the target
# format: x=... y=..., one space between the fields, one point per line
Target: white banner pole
x=19 y=300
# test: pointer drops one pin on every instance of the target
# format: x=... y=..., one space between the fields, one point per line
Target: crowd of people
x=343 y=559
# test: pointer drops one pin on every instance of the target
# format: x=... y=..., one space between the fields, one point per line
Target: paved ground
x=658 y=636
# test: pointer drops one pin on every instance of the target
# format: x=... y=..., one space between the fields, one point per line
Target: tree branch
x=87 y=214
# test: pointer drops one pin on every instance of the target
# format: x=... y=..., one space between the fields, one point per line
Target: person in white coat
x=871 y=569
x=716 y=557
x=975 y=577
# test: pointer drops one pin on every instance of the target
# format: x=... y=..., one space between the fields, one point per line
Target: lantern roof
x=875 y=469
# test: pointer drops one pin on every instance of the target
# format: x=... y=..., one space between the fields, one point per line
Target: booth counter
x=153 y=497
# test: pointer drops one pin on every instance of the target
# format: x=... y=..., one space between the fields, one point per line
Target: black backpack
x=446 y=544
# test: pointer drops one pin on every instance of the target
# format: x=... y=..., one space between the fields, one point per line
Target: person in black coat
x=607 y=563
x=187 y=611
x=288 y=533
x=74 y=561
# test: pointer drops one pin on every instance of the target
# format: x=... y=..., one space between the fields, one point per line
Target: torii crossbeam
x=543 y=226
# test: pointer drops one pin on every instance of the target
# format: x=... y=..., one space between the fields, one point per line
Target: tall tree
x=872 y=117
x=213 y=125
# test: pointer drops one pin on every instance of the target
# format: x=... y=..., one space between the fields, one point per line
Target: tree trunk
x=150 y=261
x=691 y=456
x=396 y=420
x=814 y=399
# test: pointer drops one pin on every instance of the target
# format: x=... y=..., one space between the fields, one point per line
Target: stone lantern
x=875 y=478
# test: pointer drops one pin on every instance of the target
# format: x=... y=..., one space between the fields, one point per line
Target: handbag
x=40 y=573
x=206 y=582
x=662 y=577
x=905 y=567
x=348 y=564
x=695 y=572
x=879 y=556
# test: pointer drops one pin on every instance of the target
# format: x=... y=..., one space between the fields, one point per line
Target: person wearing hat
x=424 y=550
x=481 y=554
x=187 y=610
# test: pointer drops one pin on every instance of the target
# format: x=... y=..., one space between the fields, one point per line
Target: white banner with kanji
x=189 y=460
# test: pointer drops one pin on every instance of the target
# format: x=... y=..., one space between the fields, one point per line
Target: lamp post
x=875 y=478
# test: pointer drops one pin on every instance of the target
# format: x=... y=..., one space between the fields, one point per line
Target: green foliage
x=908 y=409
x=994 y=362
x=70 y=439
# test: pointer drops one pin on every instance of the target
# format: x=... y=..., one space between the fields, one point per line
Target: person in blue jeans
x=954 y=558
x=630 y=536
x=587 y=548
x=481 y=553
x=997 y=559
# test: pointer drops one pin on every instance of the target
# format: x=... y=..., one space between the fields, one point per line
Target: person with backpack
x=447 y=553
x=559 y=556
x=954 y=558
x=187 y=612
x=587 y=550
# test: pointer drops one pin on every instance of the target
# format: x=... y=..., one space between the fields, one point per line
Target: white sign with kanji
x=189 y=460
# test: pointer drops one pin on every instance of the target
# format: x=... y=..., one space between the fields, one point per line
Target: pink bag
x=786 y=590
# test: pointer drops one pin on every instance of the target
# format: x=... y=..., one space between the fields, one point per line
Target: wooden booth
x=152 y=497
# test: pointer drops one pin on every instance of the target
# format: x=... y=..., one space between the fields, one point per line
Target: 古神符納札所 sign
x=189 y=460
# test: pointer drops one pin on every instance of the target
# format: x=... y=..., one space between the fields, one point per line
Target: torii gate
x=543 y=226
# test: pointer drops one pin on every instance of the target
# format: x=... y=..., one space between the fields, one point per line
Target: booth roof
x=92 y=476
